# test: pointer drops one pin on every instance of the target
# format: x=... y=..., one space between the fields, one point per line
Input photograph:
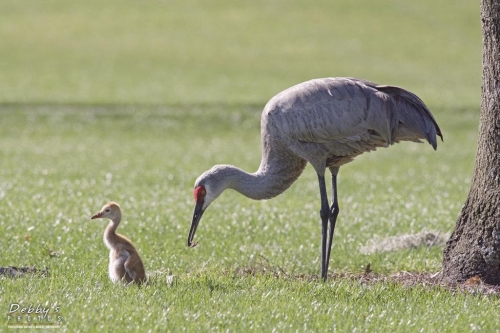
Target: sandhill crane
x=124 y=261
x=326 y=122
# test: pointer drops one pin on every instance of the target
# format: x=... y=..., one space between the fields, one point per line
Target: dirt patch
x=406 y=279
x=406 y=241
x=13 y=272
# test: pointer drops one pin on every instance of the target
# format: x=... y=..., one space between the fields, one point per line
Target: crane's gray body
x=326 y=122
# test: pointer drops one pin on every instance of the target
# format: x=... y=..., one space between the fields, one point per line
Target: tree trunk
x=474 y=247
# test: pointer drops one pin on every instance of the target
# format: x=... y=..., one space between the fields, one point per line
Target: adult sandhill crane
x=124 y=261
x=326 y=122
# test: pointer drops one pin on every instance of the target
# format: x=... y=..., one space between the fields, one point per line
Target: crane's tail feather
x=413 y=115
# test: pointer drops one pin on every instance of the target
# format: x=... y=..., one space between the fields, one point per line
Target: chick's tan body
x=125 y=263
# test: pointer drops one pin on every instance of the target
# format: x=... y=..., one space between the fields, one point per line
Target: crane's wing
x=130 y=266
x=330 y=109
x=120 y=255
x=135 y=268
x=132 y=262
x=413 y=115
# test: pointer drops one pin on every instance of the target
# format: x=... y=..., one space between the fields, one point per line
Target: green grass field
x=131 y=102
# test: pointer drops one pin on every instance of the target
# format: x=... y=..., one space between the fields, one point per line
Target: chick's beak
x=96 y=216
x=198 y=212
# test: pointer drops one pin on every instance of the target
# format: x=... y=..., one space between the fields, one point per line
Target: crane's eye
x=199 y=193
x=107 y=210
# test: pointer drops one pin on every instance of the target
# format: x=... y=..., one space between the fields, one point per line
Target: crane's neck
x=267 y=182
x=278 y=169
x=110 y=237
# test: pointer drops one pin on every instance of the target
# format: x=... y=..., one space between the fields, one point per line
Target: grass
x=219 y=302
x=69 y=161
x=107 y=101
x=166 y=52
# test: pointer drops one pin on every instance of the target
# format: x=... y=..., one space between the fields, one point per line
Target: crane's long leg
x=325 y=215
x=334 y=212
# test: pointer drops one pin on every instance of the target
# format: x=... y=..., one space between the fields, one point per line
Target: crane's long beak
x=198 y=212
x=96 y=216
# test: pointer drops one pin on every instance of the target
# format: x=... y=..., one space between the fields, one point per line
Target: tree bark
x=474 y=246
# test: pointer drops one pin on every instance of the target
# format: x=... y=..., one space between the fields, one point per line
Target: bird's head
x=110 y=211
x=206 y=189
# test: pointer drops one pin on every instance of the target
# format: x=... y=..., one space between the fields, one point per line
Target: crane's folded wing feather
x=331 y=109
x=323 y=110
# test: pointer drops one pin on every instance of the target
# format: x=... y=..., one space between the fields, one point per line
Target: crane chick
x=124 y=261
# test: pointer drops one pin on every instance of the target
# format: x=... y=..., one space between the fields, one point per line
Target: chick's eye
x=107 y=210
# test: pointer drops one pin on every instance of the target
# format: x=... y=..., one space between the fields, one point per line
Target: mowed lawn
x=132 y=102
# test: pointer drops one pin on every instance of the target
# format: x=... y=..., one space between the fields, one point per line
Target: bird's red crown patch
x=199 y=193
